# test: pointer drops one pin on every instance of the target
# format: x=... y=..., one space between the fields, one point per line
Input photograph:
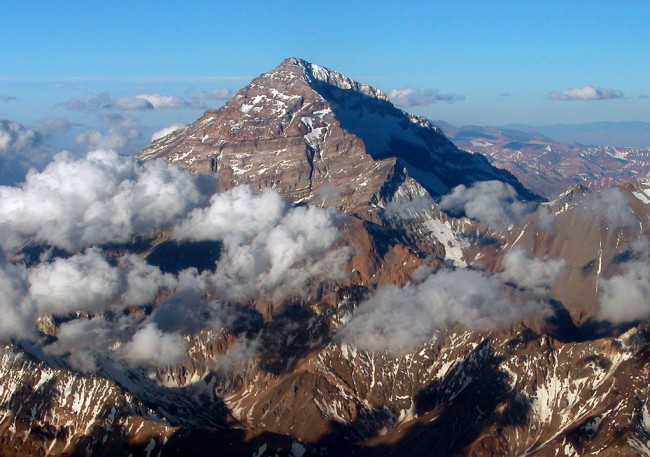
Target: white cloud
x=75 y=203
x=143 y=102
x=15 y=137
x=90 y=102
x=400 y=319
x=16 y=308
x=87 y=282
x=81 y=341
x=611 y=205
x=624 y=296
x=414 y=97
x=242 y=351
x=533 y=275
x=270 y=249
x=120 y=132
x=84 y=281
x=19 y=151
x=406 y=208
x=151 y=347
x=491 y=202
x=50 y=125
x=586 y=93
x=165 y=131
x=133 y=104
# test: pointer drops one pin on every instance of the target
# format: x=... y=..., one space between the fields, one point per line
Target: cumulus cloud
x=214 y=94
x=50 y=125
x=244 y=350
x=17 y=309
x=15 y=137
x=531 y=274
x=102 y=198
x=133 y=104
x=624 y=296
x=586 y=93
x=81 y=341
x=144 y=102
x=491 y=202
x=611 y=205
x=103 y=102
x=270 y=249
x=87 y=282
x=90 y=102
x=151 y=347
x=165 y=131
x=327 y=192
x=120 y=132
x=19 y=151
x=414 y=97
x=400 y=319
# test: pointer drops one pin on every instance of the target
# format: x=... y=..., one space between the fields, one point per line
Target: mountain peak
x=301 y=128
x=314 y=74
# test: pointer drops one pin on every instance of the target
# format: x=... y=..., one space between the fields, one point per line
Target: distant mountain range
x=628 y=134
x=549 y=167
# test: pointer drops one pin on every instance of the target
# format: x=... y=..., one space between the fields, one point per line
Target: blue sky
x=495 y=62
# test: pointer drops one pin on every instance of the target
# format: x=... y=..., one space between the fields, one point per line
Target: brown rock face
x=316 y=135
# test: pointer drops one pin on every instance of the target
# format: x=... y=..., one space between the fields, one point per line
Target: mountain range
x=333 y=276
x=631 y=134
x=549 y=167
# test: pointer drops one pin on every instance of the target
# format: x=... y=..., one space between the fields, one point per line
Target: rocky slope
x=316 y=135
x=593 y=233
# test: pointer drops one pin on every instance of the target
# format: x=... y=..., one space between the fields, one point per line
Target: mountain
x=548 y=167
x=310 y=132
x=465 y=321
x=600 y=237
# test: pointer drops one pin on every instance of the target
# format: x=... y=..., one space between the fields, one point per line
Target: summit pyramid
x=308 y=132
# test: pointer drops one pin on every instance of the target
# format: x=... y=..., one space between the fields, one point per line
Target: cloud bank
x=271 y=251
